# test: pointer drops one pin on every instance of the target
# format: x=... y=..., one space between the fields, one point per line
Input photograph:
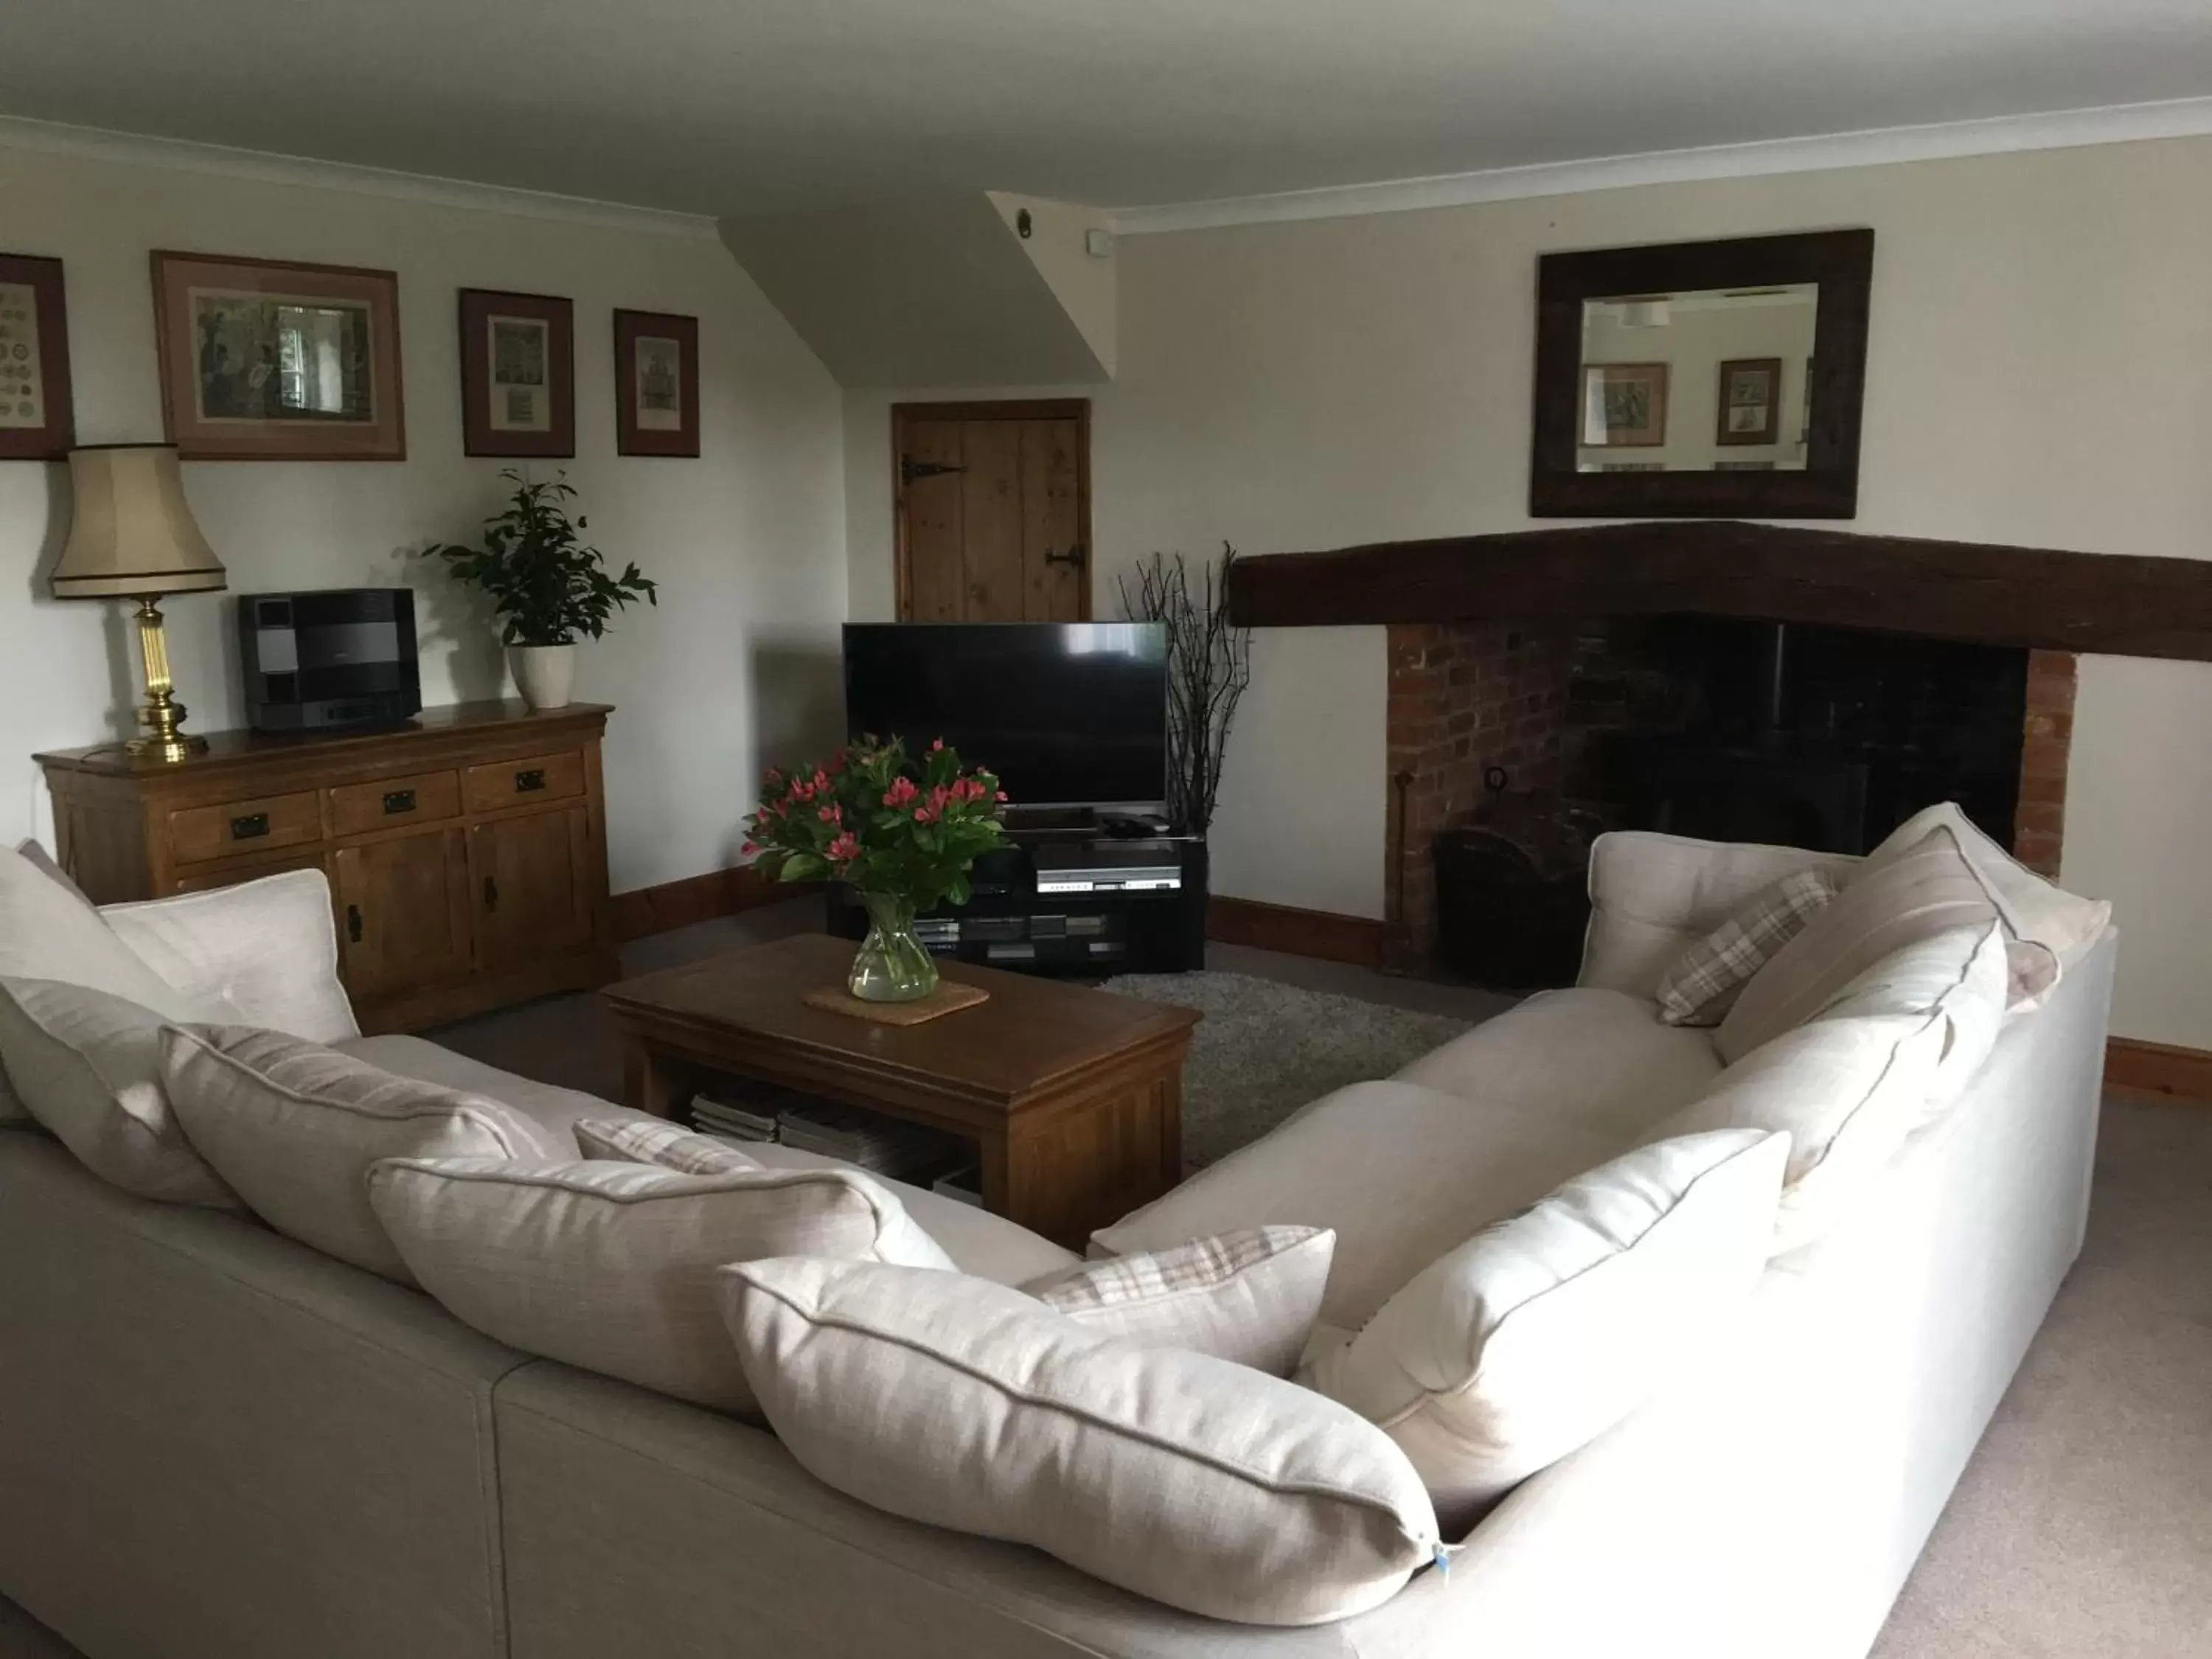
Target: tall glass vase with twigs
x=1209 y=666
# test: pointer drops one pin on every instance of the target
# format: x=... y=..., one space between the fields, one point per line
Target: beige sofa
x=217 y=1444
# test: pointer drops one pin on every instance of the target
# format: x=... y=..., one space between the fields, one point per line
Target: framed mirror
x=1702 y=379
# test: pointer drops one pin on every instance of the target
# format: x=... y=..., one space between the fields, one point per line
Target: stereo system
x=1079 y=905
x=343 y=657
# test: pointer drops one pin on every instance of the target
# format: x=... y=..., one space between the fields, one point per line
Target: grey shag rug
x=1265 y=1050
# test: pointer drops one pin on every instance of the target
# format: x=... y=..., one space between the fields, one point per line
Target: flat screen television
x=1066 y=714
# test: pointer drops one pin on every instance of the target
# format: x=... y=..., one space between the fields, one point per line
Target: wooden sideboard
x=467 y=851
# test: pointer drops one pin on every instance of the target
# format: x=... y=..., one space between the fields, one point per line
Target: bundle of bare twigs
x=1209 y=666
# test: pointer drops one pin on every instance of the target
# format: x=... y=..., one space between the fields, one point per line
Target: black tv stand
x=1070 y=897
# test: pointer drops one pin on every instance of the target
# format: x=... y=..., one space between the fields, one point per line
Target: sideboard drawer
x=425 y=797
x=198 y=834
x=525 y=782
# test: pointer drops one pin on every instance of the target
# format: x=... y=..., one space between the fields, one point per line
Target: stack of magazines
x=881 y=1145
x=737 y=1114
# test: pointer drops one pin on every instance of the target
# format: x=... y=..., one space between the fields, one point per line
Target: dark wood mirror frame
x=1840 y=261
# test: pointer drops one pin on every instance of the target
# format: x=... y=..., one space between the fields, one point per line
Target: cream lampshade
x=133 y=538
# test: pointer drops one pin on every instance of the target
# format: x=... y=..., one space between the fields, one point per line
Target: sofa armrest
x=269 y=947
x=1654 y=895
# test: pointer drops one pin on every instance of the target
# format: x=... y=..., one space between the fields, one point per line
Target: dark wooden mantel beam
x=2119 y=604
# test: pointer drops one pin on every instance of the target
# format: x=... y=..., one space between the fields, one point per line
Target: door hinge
x=911 y=469
x=1073 y=557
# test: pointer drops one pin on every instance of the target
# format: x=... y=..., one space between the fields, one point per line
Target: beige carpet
x=2082 y=1528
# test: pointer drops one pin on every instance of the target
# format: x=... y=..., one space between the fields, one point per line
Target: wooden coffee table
x=1073 y=1096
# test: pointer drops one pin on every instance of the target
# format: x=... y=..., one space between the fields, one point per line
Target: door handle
x=491 y=894
x=353 y=923
x=1073 y=557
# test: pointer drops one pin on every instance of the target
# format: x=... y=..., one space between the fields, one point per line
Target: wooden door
x=532 y=882
x=404 y=911
x=992 y=507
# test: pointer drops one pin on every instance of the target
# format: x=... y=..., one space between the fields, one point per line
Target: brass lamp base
x=161 y=714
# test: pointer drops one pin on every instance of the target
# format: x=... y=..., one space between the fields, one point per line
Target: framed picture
x=1751 y=401
x=656 y=383
x=518 y=373
x=1624 y=404
x=36 y=419
x=266 y=361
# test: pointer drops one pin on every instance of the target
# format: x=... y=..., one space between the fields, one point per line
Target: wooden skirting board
x=649 y=910
x=1323 y=933
x=2158 y=1069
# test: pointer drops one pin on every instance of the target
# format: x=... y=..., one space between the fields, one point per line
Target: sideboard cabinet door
x=532 y=877
x=404 y=911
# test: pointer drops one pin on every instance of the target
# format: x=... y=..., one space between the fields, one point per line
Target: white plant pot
x=546 y=674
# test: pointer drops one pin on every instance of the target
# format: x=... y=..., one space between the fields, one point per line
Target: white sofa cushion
x=1597 y=1058
x=1399 y=1173
x=1248 y=1297
x=47 y=931
x=669 y=1146
x=1704 y=981
x=980 y=1243
x=1926 y=889
x=2035 y=911
x=1200 y=1483
x=294 y=1127
x=87 y=1066
x=1653 y=896
x=268 y=950
x=1545 y=1329
x=610 y=1265
x=1850 y=1087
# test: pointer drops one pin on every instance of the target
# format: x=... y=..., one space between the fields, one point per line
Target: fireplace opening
x=1827 y=737
x=1512 y=745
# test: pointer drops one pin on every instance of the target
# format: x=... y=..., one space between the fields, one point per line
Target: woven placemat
x=949 y=998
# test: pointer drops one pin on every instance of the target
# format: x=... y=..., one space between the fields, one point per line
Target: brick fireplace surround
x=1464 y=697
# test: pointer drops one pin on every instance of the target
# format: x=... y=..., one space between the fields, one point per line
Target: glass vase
x=893 y=965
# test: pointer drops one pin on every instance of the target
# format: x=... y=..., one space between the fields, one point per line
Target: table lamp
x=133 y=538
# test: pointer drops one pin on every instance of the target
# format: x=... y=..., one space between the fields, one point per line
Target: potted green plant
x=905 y=834
x=548 y=586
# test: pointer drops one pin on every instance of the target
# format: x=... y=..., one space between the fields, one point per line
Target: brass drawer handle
x=250 y=827
x=527 y=782
x=399 y=800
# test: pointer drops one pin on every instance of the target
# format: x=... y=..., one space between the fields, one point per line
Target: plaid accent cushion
x=669 y=1146
x=1192 y=1266
x=1706 y=980
x=1249 y=1296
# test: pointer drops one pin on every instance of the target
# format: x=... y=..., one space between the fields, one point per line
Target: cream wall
x=2040 y=371
x=738 y=664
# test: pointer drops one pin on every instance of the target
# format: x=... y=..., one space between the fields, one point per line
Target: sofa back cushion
x=1249 y=1296
x=1654 y=895
x=1545 y=1329
x=294 y=1127
x=86 y=1065
x=47 y=931
x=1399 y=1173
x=1925 y=891
x=610 y=1266
x=266 y=950
x=1200 y=1483
x=1891 y=1051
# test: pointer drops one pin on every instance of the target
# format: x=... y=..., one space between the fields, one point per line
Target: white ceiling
x=722 y=106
